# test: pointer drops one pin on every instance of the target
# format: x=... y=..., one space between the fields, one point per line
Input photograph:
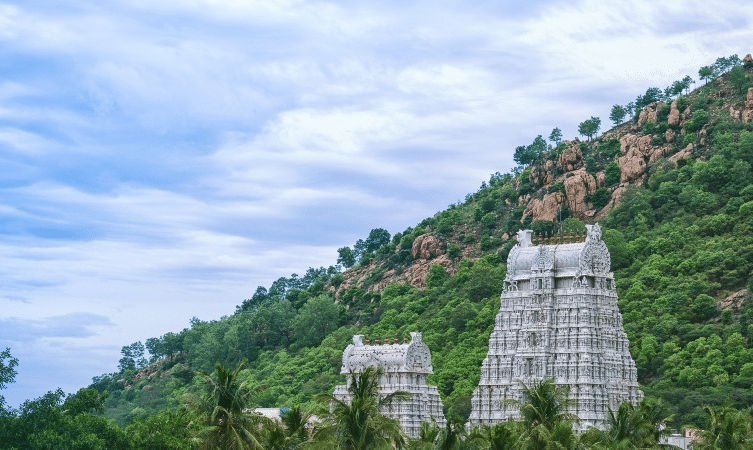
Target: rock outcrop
x=649 y=114
x=674 y=115
x=747 y=114
x=546 y=208
x=426 y=247
x=570 y=156
x=577 y=187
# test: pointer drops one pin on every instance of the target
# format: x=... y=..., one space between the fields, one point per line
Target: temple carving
x=558 y=318
x=405 y=367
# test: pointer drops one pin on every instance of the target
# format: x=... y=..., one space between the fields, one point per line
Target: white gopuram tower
x=404 y=368
x=558 y=318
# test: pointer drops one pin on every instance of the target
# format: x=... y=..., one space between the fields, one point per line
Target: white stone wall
x=404 y=368
x=558 y=318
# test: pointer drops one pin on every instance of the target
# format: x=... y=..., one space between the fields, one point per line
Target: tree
x=133 y=357
x=523 y=155
x=346 y=257
x=291 y=434
x=728 y=429
x=53 y=421
x=589 y=127
x=618 y=114
x=738 y=78
x=168 y=429
x=316 y=319
x=546 y=417
x=378 y=237
x=555 y=136
x=7 y=373
x=706 y=73
x=228 y=423
x=653 y=94
x=686 y=82
x=630 y=108
x=526 y=154
x=359 y=424
x=630 y=427
x=501 y=436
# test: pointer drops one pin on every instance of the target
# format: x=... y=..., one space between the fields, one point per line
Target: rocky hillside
x=673 y=189
x=583 y=180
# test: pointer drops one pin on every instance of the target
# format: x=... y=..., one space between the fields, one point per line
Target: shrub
x=600 y=198
x=612 y=173
x=489 y=220
x=610 y=148
x=453 y=250
x=556 y=187
x=591 y=165
x=699 y=119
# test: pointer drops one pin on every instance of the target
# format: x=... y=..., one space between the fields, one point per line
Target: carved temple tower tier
x=404 y=368
x=558 y=318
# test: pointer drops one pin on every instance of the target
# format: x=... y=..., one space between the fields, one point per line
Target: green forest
x=681 y=242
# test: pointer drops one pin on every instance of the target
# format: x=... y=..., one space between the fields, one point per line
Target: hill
x=673 y=190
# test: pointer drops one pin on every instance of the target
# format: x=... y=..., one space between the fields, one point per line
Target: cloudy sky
x=162 y=159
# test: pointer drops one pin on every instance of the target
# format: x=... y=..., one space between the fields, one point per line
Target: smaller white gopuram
x=404 y=368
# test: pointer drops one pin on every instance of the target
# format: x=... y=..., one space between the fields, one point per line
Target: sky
x=160 y=160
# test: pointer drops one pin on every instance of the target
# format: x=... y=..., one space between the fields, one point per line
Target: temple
x=404 y=368
x=558 y=318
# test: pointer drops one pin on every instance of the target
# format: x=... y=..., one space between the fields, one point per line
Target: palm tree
x=227 y=422
x=728 y=429
x=630 y=427
x=545 y=404
x=359 y=424
x=547 y=421
x=500 y=436
x=427 y=436
x=291 y=434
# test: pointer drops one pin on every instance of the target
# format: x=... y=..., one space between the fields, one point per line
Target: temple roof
x=572 y=259
x=413 y=357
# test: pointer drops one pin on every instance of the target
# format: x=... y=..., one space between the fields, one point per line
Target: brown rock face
x=747 y=114
x=684 y=153
x=577 y=187
x=669 y=135
x=649 y=114
x=601 y=179
x=547 y=208
x=674 y=115
x=570 y=157
x=543 y=175
x=427 y=247
x=420 y=269
x=632 y=165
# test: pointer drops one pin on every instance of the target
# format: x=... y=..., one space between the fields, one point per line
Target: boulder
x=669 y=135
x=632 y=164
x=684 y=153
x=546 y=208
x=674 y=115
x=577 y=187
x=747 y=114
x=419 y=270
x=570 y=156
x=426 y=247
x=601 y=179
x=649 y=113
